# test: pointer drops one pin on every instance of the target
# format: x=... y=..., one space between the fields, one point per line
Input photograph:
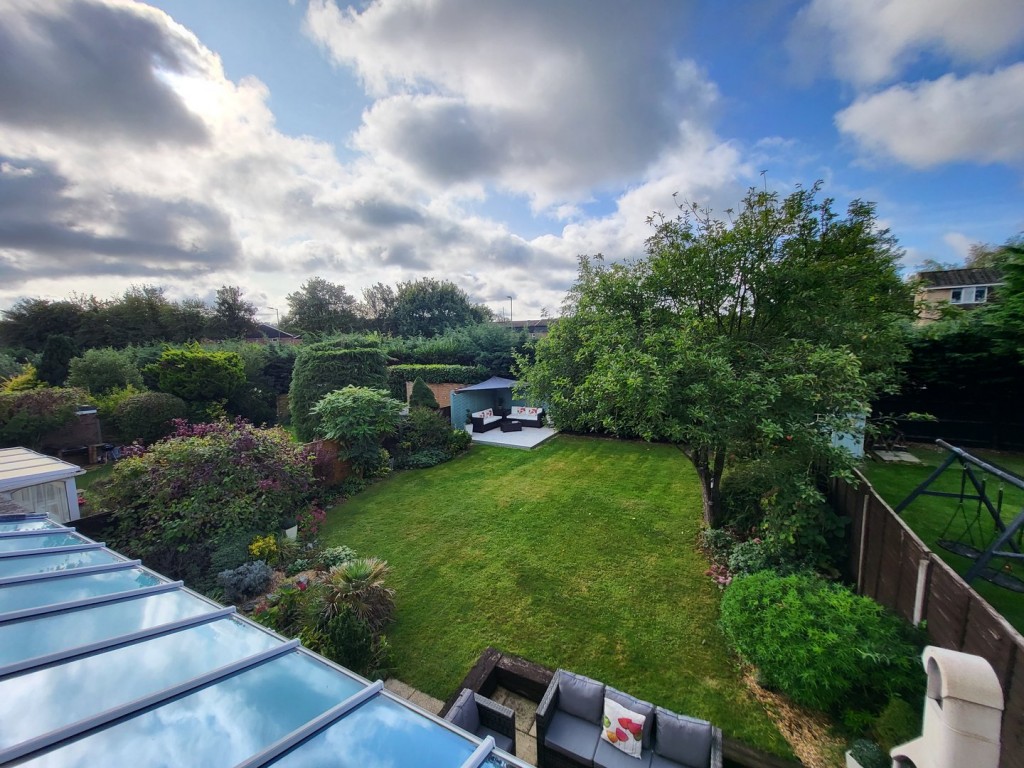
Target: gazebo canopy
x=495 y=382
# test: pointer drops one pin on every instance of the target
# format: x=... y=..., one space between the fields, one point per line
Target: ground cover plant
x=928 y=516
x=581 y=554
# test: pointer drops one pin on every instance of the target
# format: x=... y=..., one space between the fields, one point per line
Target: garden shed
x=41 y=484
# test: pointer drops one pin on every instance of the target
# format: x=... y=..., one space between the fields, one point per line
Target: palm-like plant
x=359 y=584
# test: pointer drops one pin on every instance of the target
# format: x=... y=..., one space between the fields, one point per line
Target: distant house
x=266 y=334
x=536 y=329
x=966 y=288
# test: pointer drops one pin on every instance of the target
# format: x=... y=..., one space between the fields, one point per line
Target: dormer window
x=980 y=295
x=956 y=296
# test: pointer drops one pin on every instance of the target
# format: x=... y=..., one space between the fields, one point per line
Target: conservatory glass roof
x=103 y=661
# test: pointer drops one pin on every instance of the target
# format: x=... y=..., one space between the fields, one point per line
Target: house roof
x=495 y=382
x=103 y=661
x=272 y=332
x=20 y=468
x=960 y=278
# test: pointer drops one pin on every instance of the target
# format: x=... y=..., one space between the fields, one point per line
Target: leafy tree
x=378 y=307
x=358 y=418
x=320 y=306
x=186 y=320
x=1006 y=316
x=429 y=307
x=102 y=370
x=233 y=317
x=9 y=366
x=197 y=375
x=30 y=322
x=734 y=342
x=422 y=396
x=26 y=417
x=147 y=416
x=55 y=360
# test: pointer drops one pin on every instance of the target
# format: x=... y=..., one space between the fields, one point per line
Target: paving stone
x=429 y=703
x=399 y=688
x=526 y=748
x=526 y=710
x=533 y=729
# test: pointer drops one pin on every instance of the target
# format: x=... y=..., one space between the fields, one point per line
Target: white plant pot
x=292 y=533
x=851 y=761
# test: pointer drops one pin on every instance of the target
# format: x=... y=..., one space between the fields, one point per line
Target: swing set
x=1008 y=539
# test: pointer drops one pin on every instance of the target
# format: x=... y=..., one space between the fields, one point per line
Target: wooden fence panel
x=911 y=555
x=1012 y=754
x=873 y=544
x=948 y=602
x=990 y=638
x=889 y=570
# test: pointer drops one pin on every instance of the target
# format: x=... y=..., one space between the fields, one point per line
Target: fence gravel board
x=958 y=617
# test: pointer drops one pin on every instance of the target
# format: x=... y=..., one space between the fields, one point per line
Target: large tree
x=233 y=317
x=320 y=306
x=429 y=307
x=733 y=341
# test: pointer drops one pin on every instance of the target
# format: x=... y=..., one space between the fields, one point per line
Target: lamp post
x=277 y=326
x=510 y=313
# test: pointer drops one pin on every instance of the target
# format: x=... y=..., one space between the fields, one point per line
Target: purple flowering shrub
x=177 y=501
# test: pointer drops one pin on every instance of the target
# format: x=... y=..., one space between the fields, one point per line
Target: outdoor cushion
x=622 y=728
x=501 y=741
x=572 y=737
x=607 y=756
x=642 y=708
x=683 y=740
x=580 y=696
x=464 y=713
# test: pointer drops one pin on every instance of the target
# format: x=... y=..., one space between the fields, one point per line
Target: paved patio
x=529 y=437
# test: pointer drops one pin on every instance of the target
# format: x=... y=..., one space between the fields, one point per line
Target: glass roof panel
x=44 y=540
x=381 y=733
x=39 y=701
x=34 y=637
x=26 y=525
x=221 y=724
x=16 y=597
x=60 y=561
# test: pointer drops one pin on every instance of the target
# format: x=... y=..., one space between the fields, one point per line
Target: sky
x=192 y=144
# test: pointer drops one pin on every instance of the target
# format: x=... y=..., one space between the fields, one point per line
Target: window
x=50 y=499
x=956 y=296
x=980 y=295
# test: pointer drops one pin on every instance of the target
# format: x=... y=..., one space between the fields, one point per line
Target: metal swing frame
x=1003 y=545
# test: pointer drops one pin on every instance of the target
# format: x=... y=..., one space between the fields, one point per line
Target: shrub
x=359 y=585
x=897 y=724
x=348 y=640
x=204 y=485
x=324 y=367
x=264 y=548
x=24 y=381
x=9 y=366
x=101 y=371
x=335 y=556
x=459 y=440
x=107 y=403
x=742 y=496
x=148 y=416
x=231 y=551
x=425 y=435
x=245 y=581
x=26 y=417
x=818 y=642
x=422 y=396
x=358 y=418
x=56 y=356
x=199 y=376
x=717 y=544
x=869 y=754
x=429 y=457
x=766 y=554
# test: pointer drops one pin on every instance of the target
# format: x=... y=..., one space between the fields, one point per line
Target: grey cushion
x=581 y=696
x=635 y=705
x=607 y=756
x=683 y=740
x=573 y=737
x=501 y=741
x=463 y=712
x=657 y=761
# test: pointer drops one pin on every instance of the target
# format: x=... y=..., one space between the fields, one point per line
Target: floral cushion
x=622 y=729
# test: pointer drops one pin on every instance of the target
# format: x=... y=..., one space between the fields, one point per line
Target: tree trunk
x=709 y=465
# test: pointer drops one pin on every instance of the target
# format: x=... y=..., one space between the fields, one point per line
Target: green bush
x=322 y=368
x=717 y=544
x=459 y=440
x=743 y=492
x=349 y=641
x=148 y=416
x=422 y=396
x=358 y=418
x=334 y=556
x=203 y=487
x=9 y=366
x=897 y=724
x=27 y=379
x=56 y=356
x=429 y=457
x=819 y=643
x=101 y=371
x=199 y=376
x=424 y=440
x=26 y=417
x=245 y=581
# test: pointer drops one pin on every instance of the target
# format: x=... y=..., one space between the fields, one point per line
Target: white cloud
x=977 y=118
x=959 y=243
x=868 y=42
x=545 y=100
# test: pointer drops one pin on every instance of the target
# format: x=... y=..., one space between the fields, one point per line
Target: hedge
x=322 y=368
x=431 y=374
x=26 y=417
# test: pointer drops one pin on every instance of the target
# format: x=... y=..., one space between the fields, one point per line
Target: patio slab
x=529 y=437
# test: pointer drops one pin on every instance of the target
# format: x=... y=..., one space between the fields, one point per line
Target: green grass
x=92 y=476
x=580 y=554
x=928 y=516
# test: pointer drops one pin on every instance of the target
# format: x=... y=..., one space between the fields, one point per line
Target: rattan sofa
x=569 y=727
x=483 y=717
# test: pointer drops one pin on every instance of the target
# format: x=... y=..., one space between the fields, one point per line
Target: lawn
x=580 y=554
x=928 y=516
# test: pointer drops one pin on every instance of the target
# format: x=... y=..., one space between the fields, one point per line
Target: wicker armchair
x=483 y=717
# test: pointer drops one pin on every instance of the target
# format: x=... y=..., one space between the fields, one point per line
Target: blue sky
x=192 y=144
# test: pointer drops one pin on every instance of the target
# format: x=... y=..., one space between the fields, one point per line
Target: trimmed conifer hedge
x=431 y=374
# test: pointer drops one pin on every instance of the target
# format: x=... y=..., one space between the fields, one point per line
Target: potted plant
x=290 y=527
